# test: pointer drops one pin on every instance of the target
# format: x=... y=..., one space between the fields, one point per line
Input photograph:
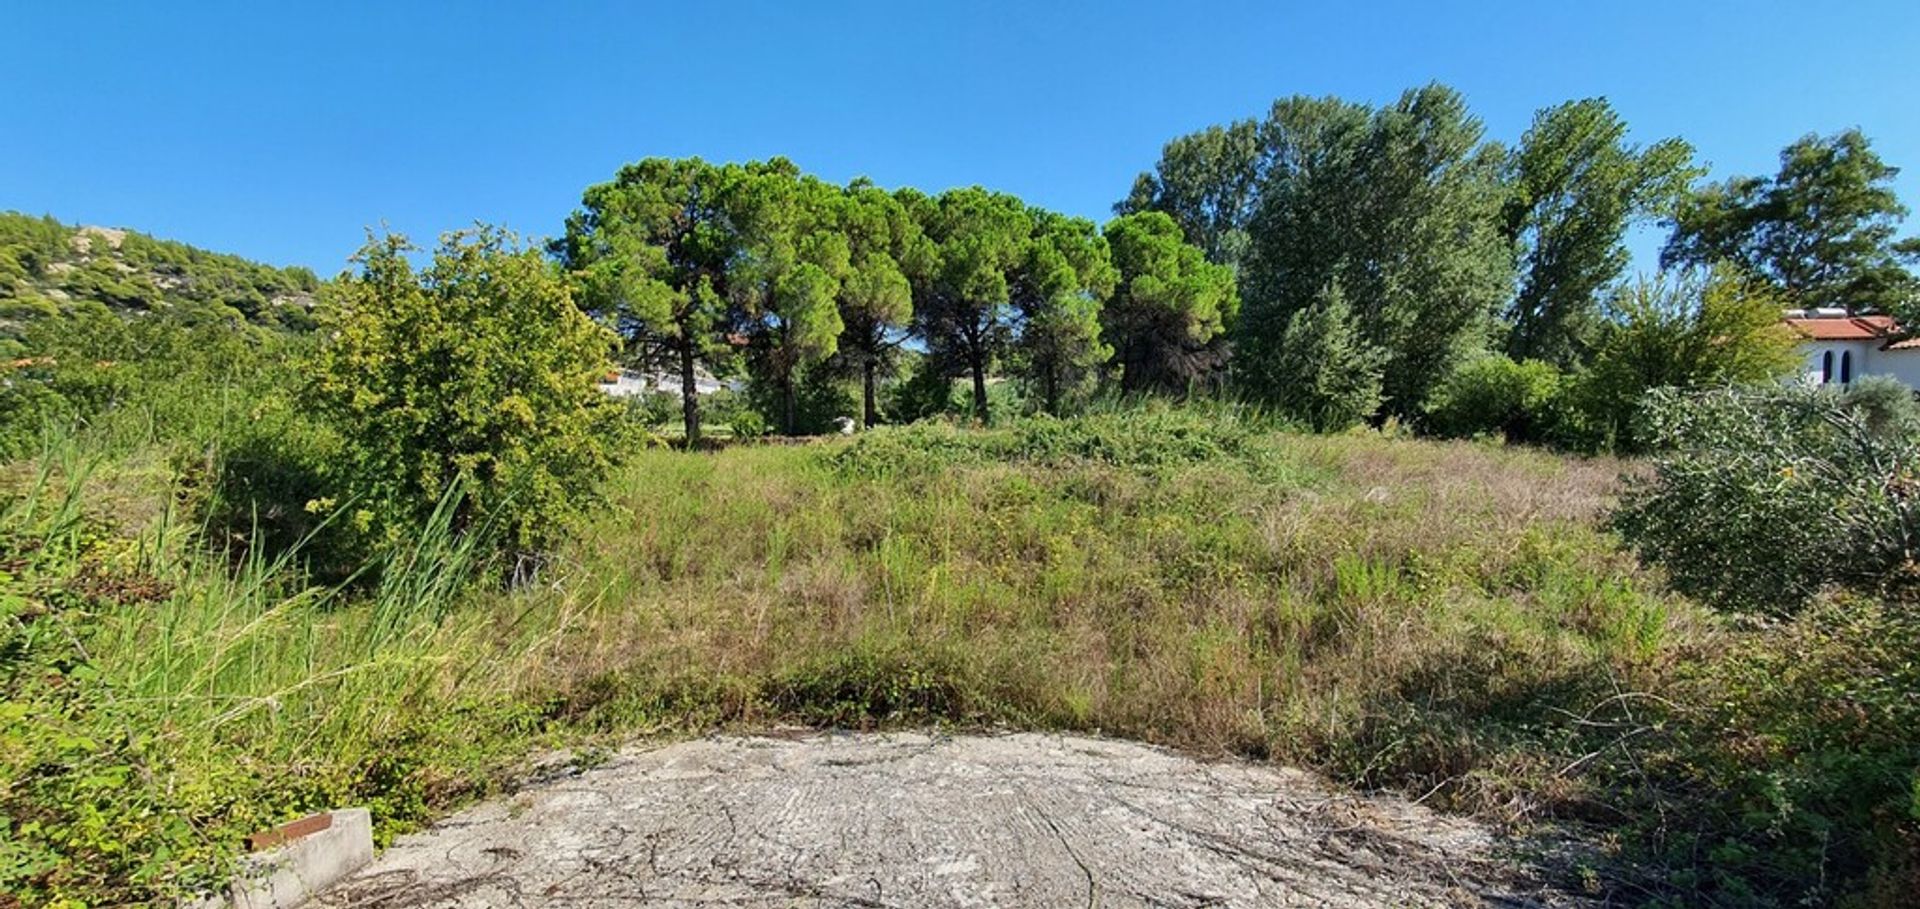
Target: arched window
x=1846 y=367
x=1826 y=367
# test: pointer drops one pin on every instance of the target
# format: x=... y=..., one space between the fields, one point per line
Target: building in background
x=629 y=383
x=1841 y=349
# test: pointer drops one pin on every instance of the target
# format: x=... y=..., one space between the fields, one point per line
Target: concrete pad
x=914 y=820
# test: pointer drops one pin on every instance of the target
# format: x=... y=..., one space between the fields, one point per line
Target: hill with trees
x=52 y=269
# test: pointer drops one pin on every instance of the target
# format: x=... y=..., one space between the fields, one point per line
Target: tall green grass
x=1443 y=619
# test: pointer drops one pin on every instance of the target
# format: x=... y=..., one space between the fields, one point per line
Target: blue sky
x=282 y=131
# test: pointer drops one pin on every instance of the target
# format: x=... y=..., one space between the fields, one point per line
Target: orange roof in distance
x=1844 y=328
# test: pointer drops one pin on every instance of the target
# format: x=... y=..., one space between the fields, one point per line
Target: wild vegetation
x=1161 y=479
x=49 y=269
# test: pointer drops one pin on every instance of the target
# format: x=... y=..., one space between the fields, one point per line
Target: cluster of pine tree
x=698 y=265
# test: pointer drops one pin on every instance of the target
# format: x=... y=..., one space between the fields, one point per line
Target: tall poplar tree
x=1821 y=230
x=1576 y=185
x=1399 y=207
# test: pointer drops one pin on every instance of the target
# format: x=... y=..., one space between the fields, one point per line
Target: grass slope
x=1444 y=619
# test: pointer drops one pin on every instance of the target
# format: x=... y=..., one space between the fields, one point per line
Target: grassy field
x=1443 y=619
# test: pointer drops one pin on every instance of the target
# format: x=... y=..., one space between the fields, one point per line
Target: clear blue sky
x=281 y=133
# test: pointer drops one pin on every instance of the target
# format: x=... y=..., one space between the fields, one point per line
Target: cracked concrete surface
x=914 y=820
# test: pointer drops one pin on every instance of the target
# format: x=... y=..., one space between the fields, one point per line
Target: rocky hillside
x=48 y=269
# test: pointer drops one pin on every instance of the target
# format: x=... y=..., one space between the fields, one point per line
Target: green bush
x=1886 y=403
x=1497 y=395
x=1694 y=330
x=479 y=369
x=1785 y=772
x=927 y=391
x=823 y=394
x=1324 y=373
x=1147 y=439
x=135 y=381
x=1764 y=497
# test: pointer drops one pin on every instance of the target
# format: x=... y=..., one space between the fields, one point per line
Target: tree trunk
x=871 y=415
x=1053 y=392
x=979 y=387
x=689 y=394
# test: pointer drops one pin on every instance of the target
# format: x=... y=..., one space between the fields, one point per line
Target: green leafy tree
x=1821 y=230
x=786 y=276
x=1325 y=373
x=481 y=369
x=1697 y=330
x=1576 y=186
x=962 y=302
x=652 y=249
x=1057 y=293
x=1171 y=307
x=876 y=298
x=1208 y=182
x=1398 y=205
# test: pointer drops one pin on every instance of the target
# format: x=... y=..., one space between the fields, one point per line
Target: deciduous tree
x=1400 y=207
x=1693 y=330
x=1208 y=182
x=1576 y=185
x=1821 y=229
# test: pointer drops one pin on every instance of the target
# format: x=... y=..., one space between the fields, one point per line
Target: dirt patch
x=916 y=820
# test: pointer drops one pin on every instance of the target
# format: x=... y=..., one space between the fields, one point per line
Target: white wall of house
x=1822 y=353
x=1900 y=364
x=1868 y=360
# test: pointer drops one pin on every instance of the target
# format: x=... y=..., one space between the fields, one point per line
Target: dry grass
x=1444 y=619
x=1366 y=605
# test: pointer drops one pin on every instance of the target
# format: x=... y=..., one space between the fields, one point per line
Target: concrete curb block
x=288 y=875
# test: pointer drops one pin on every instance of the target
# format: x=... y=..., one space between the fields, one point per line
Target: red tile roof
x=1844 y=328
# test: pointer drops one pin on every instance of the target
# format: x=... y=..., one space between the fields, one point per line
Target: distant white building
x=1841 y=348
x=628 y=383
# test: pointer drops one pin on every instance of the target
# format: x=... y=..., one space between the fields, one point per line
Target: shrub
x=1148 y=439
x=481 y=369
x=654 y=408
x=1887 y=404
x=1497 y=395
x=1691 y=331
x=1791 y=777
x=1324 y=374
x=927 y=391
x=822 y=395
x=1766 y=496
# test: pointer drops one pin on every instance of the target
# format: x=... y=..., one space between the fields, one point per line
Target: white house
x=628 y=383
x=1841 y=348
